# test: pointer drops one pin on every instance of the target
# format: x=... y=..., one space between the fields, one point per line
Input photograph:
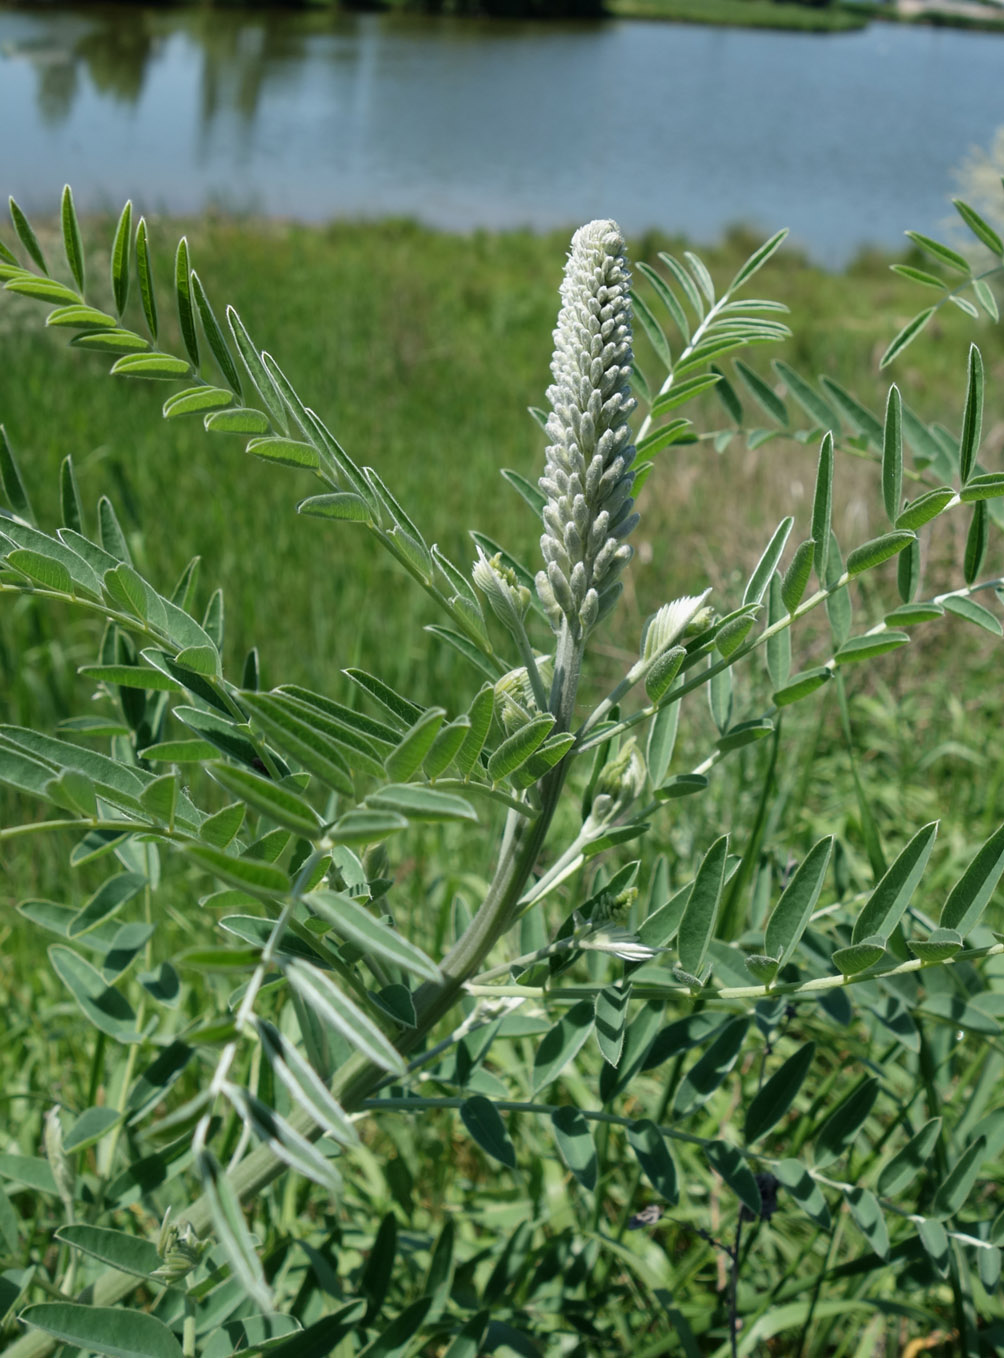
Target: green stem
x=522 y=842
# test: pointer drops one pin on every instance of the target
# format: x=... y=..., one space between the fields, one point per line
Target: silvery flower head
x=587 y=480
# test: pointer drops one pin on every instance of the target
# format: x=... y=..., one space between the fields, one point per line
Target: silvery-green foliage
x=721 y=998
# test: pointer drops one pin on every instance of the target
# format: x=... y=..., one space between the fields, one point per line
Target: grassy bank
x=832 y=18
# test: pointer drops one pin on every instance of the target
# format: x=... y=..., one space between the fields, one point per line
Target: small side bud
x=59 y=1162
x=507 y=598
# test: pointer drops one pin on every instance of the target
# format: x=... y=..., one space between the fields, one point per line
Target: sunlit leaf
x=109 y=1330
x=790 y=916
x=971 y=894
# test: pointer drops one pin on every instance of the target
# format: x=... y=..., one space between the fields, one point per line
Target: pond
x=846 y=138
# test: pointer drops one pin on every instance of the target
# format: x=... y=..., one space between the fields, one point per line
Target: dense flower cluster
x=587 y=480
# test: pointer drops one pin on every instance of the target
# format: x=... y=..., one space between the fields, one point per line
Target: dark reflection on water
x=463 y=123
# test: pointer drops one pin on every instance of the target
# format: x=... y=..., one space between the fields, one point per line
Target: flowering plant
x=712 y=993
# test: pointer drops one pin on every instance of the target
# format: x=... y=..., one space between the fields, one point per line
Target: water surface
x=845 y=138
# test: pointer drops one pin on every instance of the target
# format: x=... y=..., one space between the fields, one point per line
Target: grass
x=830 y=18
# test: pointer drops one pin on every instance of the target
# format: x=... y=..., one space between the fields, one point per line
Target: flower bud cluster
x=587 y=479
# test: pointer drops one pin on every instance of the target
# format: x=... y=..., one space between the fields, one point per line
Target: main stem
x=521 y=844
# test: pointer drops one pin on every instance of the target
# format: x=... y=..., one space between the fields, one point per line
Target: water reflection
x=464 y=123
x=239 y=54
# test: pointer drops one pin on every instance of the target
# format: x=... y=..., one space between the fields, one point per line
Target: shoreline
x=837 y=16
x=841 y=17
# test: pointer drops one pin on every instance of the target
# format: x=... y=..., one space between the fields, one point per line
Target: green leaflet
x=279 y=804
x=128 y=1253
x=252 y=875
x=610 y=1018
x=873 y=553
x=26 y=235
x=119 y=259
x=801 y=686
x=89 y=1128
x=343 y=504
x=305 y=1086
x=263 y=381
x=214 y=335
x=365 y=827
x=10 y=480
x=109 y=898
x=934 y=1238
x=561 y=1044
x=906 y=1164
x=165 y=366
x=653 y=1156
x=892 y=455
x=232 y=1232
x=575 y=1144
x=354 y=922
x=767 y=565
x=697 y=926
x=287 y=452
x=907 y=335
x=81 y=317
x=186 y=308
x=144 y=273
x=822 y=507
x=285 y=1143
x=958 y=1184
x=104 y=1329
x=102 y=1005
x=238 y=420
x=446 y=747
x=804 y=1190
x=400 y=707
x=420 y=803
x=773 y=1100
x=708 y=1072
x=796 y=577
x=868 y=647
x=867 y=1215
x=517 y=748
x=661 y=742
x=336 y=1010
x=790 y=916
x=971 y=894
x=485 y=1126
x=980 y=228
x=975 y=613
x=972 y=419
x=303 y=739
x=764 y=395
x=44 y=290
x=406 y=758
x=730 y=1163
x=887 y=903
x=843 y=1124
